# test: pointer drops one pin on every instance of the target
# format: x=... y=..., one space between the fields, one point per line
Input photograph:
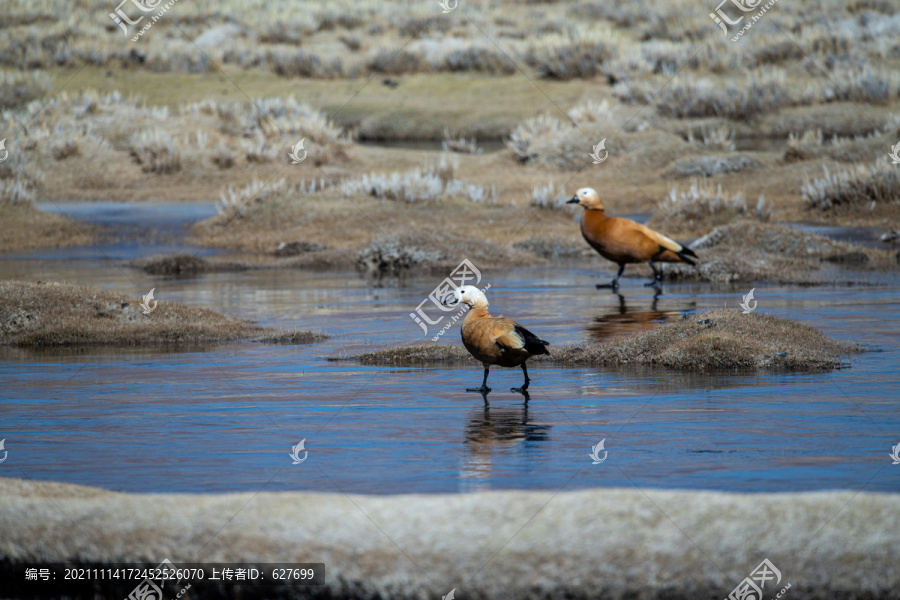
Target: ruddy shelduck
x=495 y=340
x=623 y=241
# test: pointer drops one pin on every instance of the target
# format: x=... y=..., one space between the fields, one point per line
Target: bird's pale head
x=588 y=198
x=471 y=295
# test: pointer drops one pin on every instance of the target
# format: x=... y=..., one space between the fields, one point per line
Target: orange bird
x=495 y=340
x=623 y=241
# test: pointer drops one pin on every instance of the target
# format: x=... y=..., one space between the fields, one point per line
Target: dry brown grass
x=804 y=146
x=640 y=156
x=717 y=339
x=748 y=250
x=387 y=236
x=54 y=314
x=17 y=89
x=859 y=187
x=184 y=264
x=641 y=48
x=23 y=227
x=811 y=145
x=721 y=339
x=743 y=98
x=704 y=205
x=420 y=355
x=437 y=250
x=835 y=118
x=633 y=529
x=709 y=165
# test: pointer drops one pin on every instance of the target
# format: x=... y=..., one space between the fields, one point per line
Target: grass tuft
x=758 y=93
x=709 y=165
x=16 y=191
x=223 y=157
x=459 y=143
x=18 y=89
x=477 y=58
x=527 y=133
x=235 y=202
x=803 y=146
x=155 y=152
x=705 y=205
x=569 y=60
x=716 y=138
x=549 y=197
x=874 y=86
x=859 y=185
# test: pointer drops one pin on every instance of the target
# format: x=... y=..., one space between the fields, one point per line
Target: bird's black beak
x=573 y=200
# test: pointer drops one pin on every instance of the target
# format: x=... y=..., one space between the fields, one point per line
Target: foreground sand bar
x=601 y=543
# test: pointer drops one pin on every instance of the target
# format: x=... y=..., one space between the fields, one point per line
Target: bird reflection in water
x=503 y=430
x=621 y=320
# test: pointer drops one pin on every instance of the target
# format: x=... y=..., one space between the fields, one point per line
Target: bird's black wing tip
x=533 y=344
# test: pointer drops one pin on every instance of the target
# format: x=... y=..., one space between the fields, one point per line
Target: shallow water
x=487 y=146
x=225 y=418
x=869 y=237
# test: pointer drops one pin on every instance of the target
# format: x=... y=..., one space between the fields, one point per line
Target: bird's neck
x=594 y=216
x=478 y=311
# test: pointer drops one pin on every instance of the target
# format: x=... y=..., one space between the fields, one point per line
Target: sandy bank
x=24 y=227
x=717 y=339
x=601 y=543
x=752 y=251
x=54 y=314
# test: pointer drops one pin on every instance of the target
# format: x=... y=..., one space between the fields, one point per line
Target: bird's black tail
x=685 y=252
x=533 y=344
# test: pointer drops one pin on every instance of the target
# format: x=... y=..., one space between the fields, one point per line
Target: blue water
x=225 y=418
